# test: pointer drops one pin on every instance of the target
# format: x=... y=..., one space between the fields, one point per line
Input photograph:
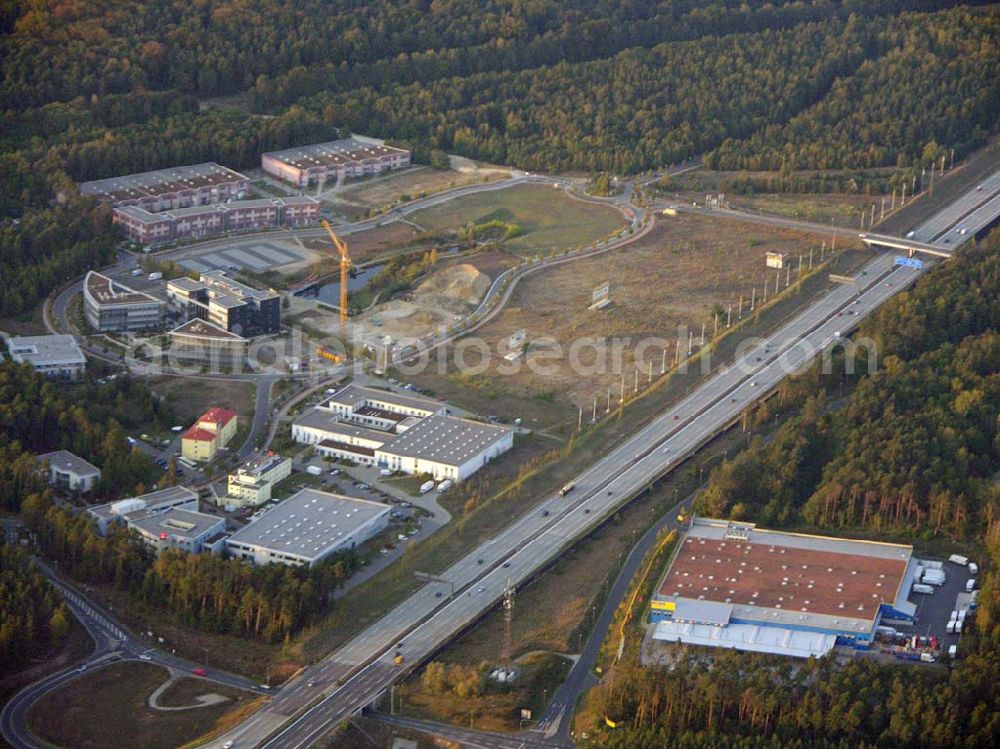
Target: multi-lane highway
x=358 y=672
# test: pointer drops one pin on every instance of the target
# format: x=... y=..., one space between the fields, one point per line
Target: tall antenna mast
x=508 y=614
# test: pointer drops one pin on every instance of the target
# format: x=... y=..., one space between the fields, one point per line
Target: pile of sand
x=436 y=304
x=461 y=283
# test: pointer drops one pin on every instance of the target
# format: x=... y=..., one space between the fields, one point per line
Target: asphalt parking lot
x=934 y=611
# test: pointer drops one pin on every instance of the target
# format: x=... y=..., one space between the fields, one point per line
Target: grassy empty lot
x=412 y=183
x=108 y=708
x=549 y=218
x=193 y=396
x=364 y=246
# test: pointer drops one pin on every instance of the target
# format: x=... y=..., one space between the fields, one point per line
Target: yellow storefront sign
x=663 y=605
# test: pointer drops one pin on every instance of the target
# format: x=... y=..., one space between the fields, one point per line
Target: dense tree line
x=38 y=415
x=33 y=616
x=937 y=83
x=747 y=700
x=204 y=591
x=644 y=107
x=847 y=182
x=117 y=48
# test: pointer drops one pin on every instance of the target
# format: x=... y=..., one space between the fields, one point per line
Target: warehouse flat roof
x=64 y=460
x=309 y=523
x=160 y=182
x=107 y=291
x=45 y=350
x=333 y=153
x=785 y=577
x=445 y=439
x=359 y=396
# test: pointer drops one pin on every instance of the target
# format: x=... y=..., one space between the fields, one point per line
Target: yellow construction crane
x=345 y=264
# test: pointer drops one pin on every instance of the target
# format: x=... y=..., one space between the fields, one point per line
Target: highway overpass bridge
x=909 y=246
x=968 y=217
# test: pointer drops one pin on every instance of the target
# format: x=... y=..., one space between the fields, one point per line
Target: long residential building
x=404 y=433
x=733 y=585
x=356 y=156
x=196 y=222
x=110 y=306
x=168 y=189
x=226 y=303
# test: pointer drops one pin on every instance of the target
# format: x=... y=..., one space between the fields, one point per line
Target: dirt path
x=205 y=700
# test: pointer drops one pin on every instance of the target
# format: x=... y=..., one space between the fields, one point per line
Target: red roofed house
x=213 y=429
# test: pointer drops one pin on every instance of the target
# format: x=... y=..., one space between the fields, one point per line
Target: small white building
x=51 y=355
x=253 y=482
x=69 y=472
x=308 y=527
x=186 y=530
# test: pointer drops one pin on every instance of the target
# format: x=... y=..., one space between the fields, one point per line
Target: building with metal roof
x=69 y=472
x=356 y=156
x=51 y=355
x=202 y=341
x=165 y=189
x=731 y=584
x=401 y=432
x=308 y=527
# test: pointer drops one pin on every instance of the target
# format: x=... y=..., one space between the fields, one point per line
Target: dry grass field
x=100 y=709
x=687 y=267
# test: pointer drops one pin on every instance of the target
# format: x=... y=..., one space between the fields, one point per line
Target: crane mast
x=345 y=264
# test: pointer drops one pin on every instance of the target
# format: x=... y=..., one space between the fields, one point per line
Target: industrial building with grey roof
x=400 y=432
x=308 y=527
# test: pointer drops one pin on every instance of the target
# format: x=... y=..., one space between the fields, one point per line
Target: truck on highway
x=567 y=488
x=398 y=659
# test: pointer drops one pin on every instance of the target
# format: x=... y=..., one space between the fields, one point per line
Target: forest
x=912 y=454
x=38 y=415
x=33 y=617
